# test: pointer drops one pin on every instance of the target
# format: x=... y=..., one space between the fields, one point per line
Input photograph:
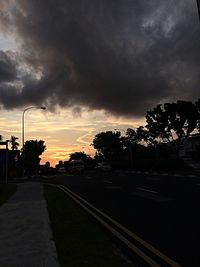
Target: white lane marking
x=127 y=231
x=88 y=177
x=152 y=196
x=107 y=182
x=112 y=187
x=147 y=190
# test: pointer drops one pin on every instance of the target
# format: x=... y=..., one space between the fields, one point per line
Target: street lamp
x=23 y=128
x=198 y=7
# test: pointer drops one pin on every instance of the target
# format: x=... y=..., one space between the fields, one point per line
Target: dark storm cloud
x=7 y=68
x=122 y=56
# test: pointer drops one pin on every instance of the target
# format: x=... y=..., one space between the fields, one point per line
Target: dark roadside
x=79 y=240
x=6 y=191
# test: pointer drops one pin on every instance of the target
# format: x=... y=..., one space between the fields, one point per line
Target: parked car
x=76 y=166
x=103 y=166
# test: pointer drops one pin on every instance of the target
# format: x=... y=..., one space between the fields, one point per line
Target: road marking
x=112 y=187
x=88 y=177
x=154 y=197
x=127 y=231
x=147 y=190
x=116 y=233
x=108 y=182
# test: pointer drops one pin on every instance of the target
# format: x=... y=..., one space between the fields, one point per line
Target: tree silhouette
x=32 y=150
x=172 y=122
x=78 y=155
x=108 y=145
x=139 y=136
x=14 y=144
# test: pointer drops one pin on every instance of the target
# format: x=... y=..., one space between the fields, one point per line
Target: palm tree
x=14 y=144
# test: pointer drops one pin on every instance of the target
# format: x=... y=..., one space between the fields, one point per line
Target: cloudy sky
x=95 y=64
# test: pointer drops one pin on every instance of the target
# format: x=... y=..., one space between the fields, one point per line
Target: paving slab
x=26 y=238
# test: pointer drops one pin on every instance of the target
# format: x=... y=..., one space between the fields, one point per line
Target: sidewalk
x=25 y=235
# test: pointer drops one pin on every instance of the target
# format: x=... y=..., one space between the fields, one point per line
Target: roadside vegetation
x=168 y=142
x=6 y=191
x=79 y=240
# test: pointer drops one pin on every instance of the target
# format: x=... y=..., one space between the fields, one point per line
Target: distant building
x=12 y=158
x=189 y=145
x=190 y=151
x=46 y=169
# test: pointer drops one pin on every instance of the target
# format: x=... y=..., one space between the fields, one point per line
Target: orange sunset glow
x=63 y=132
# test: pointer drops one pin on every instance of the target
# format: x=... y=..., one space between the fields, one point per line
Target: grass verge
x=79 y=240
x=6 y=191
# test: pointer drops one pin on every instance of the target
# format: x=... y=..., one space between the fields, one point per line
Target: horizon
x=95 y=67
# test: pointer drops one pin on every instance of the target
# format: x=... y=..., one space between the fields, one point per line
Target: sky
x=95 y=65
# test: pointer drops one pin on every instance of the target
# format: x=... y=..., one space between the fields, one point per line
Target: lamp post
x=198 y=7
x=23 y=128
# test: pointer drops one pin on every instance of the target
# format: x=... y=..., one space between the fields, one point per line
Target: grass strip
x=79 y=240
x=6 y=191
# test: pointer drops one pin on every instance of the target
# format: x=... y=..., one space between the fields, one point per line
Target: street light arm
x=198 y=7
x=33 y=107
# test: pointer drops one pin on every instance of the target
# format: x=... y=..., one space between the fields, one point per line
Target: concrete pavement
x=25 y=236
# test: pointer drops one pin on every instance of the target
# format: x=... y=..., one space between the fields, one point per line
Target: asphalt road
x=162 y=210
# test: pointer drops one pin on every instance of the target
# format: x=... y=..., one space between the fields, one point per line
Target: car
x=62 y=170
x=76 y=166
x=103 y=166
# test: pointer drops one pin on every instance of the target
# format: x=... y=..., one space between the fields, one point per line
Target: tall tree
x=108 y=145
x=32 y=150
x=139 y=136
x=157 y=125
x=172 y=122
